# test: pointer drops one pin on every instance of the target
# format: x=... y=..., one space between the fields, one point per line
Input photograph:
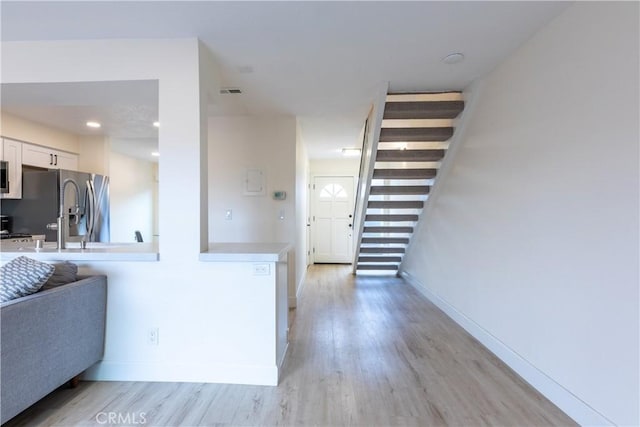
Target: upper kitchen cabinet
x=44 y=157
x=11 y=152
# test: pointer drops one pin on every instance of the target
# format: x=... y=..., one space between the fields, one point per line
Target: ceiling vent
x=230 y=91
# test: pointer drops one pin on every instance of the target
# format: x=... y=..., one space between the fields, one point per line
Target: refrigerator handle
x=103 y=193
x=90 y=215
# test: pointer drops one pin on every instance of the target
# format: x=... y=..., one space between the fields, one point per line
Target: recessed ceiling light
x=155 y=154
x=350 y=152
x=453 y=58
x=93 y=124
x=156 y=124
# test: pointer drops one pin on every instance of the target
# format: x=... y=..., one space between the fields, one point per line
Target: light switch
x=281 y=215
x=228 y=215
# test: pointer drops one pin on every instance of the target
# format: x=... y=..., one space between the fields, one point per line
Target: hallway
x=363 y=351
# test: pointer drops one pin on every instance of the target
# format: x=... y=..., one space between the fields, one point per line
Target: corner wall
x=237 y=143
x=133 y=190
x=530 y=239
x=302 y=213
x=36 y=133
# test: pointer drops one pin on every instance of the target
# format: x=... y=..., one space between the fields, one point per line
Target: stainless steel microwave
x=4 y=176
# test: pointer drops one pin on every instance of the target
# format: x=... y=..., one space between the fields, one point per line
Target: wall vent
x=230 y=90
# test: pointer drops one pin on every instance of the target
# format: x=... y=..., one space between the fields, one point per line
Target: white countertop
x=246 y=252
x=93 y=252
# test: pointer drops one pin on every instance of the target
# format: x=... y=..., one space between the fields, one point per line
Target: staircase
x=412 y=142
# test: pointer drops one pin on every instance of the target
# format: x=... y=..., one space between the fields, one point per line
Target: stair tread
x=399 y=189
x=404 y=173
x=409 y=155
x=376 y=267
x=423 y=109
x=378 y=250
x=390 y=217
x=395 y=204
x=416 y=134
x=379 y=259
x=384 y=240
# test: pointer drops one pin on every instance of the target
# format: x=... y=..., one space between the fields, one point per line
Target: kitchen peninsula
x=93 y=252
x=237 y=316
x=179 y=318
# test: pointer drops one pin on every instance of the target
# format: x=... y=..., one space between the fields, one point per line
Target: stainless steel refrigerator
x=88 y=217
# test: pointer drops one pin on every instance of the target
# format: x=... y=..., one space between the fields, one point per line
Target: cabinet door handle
x=50 y=159
x=56 y=163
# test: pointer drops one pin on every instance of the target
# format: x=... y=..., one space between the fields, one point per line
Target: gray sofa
x=48 y=338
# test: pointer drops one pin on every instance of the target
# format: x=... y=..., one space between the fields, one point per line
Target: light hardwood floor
x=364 y=351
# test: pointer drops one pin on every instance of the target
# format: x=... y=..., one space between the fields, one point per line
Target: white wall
x=26 y=130
x=530 y=240
x=335 y=167
x=238 y=143
x=200 y=311
x=93 y=154
x=132 y=192
x=302 y=212
x=244 y=142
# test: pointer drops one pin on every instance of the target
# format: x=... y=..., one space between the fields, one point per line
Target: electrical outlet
x=261 y=270
x=153 y=336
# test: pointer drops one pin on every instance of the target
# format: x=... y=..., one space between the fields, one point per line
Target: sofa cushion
x=23 y=276
x=65 y=272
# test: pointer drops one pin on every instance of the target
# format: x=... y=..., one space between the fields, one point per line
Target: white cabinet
x=11 y=152
x=43 y=157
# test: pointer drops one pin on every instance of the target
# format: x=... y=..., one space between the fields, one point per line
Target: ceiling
x=319 y=61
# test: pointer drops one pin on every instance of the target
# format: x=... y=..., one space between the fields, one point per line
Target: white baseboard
x=301 y=284
x=281 y=361
x=173 y=372
x=572 y=405
x=293 y=300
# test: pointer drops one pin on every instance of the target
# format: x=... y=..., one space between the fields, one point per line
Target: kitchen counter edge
x=246 y=252
x=142 y=252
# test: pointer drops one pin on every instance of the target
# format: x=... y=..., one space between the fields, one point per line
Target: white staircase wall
x=530 y=240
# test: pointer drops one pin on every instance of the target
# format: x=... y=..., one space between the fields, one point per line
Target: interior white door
x=332 y=219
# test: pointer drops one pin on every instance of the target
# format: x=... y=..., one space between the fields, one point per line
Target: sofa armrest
x=49 y=337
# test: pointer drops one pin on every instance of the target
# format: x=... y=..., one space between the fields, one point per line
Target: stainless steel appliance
x=4 y=176
x=87 y=216
x=6 y=224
